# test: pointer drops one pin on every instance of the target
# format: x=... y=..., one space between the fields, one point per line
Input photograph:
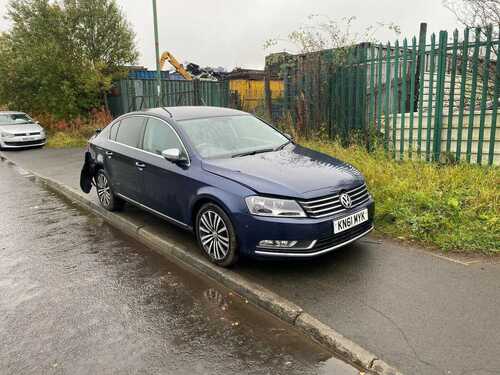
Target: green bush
x=452 y=207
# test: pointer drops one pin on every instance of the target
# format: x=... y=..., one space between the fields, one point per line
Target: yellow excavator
x=167 y=56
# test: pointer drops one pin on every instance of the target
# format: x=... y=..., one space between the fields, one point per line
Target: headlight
x=263 y=206
x=7 y=135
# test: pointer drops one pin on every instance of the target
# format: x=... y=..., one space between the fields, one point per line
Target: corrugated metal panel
x=251 y=92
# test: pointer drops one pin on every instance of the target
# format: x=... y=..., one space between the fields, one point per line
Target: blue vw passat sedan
x=239 y=184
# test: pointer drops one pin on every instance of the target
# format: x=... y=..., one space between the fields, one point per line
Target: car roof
x=193 y=112
x=11 y=113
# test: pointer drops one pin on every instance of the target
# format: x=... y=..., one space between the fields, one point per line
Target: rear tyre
x=216 y=235
x=107 y=198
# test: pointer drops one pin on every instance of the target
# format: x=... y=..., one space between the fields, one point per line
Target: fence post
x=371 y=61
x=451 y=100
x=438 y=114
x=496 y=95
x=387 y=95
x=380 y=61
x=431 y=95
x=395 y=99
x=419 y=74
x=286 y=84
x=472 y=104
x=413 y=67
x=486 y=73
x=403 y=99
x=196 y=91
x=463 y=83
x=267 y=92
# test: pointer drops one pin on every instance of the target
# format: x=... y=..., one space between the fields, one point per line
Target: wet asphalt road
x=78 y=297
x=423 y=314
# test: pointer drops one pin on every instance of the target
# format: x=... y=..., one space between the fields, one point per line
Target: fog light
x=274 y=243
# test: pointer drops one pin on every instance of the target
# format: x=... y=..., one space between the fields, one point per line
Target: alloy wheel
x=214 y=235
x=103 y=190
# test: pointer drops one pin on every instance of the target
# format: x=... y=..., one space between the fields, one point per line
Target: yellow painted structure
x=252 y=92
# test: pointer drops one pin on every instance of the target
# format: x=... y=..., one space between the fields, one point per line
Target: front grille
x=330 y=205
x=27 y=143
x=339 y=238
x=25 y=134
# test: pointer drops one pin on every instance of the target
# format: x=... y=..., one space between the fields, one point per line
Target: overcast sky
x=231 y=33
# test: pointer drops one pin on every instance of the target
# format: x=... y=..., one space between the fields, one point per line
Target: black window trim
x=141 y=141
x=140 y=134
x=111 y=126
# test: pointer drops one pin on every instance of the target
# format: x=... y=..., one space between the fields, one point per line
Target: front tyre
x=216 y=235
x=105 y=194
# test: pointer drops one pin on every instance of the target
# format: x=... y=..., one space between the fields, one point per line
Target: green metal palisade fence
x=137 y=94
x=435 y=97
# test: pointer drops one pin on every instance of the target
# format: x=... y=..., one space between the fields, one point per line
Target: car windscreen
x=14 y=119
x=231 y=136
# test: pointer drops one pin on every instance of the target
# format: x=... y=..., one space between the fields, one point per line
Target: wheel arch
x=226 y=201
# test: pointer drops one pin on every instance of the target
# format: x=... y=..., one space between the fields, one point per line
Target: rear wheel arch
x=113 y=202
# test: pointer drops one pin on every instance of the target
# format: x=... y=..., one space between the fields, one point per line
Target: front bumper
x=253 y=229
x=22 y=142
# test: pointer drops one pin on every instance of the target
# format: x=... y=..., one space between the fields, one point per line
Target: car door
x=165 y=182
x=123 y=158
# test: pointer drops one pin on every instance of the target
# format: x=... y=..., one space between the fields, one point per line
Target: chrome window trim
x=153 y=211
x=151 y=153
x=305 y=255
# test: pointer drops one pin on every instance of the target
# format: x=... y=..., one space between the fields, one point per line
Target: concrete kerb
x=254 y=293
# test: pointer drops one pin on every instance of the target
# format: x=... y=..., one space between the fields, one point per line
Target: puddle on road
x=79 y=297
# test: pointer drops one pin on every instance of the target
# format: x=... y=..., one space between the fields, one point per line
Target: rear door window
x=130 y=131
x=159 y=137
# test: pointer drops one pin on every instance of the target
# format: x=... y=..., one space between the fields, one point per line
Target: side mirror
x=97 y=131
x=37 y=122
x=173 y=154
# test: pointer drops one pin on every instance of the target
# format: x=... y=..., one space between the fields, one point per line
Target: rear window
x=130 y=130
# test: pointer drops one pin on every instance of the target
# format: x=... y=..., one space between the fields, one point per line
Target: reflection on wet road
x=77 y=297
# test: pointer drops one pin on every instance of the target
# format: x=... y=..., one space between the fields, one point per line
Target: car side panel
x=119 y=162
x=167 y=186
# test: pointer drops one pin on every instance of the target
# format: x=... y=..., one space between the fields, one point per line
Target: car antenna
x=166 y=110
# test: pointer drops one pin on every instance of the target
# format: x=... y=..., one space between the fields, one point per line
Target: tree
x=475 y=13
x=321 y=32
x=479 y=13
x=48 y=65
x=103 y=36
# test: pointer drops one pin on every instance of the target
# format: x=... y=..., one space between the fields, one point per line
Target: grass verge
x=66 y=140
x=451 y=207
x=72 y=132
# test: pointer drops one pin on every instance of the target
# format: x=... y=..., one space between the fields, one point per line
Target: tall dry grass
x=453 y=207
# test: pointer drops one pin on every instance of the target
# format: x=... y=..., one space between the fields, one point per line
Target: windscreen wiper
x=252 y=152
x=282 y=146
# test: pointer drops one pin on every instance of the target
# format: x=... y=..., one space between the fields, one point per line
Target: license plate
x=26 y=139
x=350 y=221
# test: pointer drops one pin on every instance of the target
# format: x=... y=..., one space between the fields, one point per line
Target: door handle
x=109 y=153
x=140 y=165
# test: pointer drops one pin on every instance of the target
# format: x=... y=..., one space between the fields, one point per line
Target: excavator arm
x=167 y=56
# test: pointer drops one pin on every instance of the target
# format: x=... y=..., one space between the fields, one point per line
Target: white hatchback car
x=18 y=130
